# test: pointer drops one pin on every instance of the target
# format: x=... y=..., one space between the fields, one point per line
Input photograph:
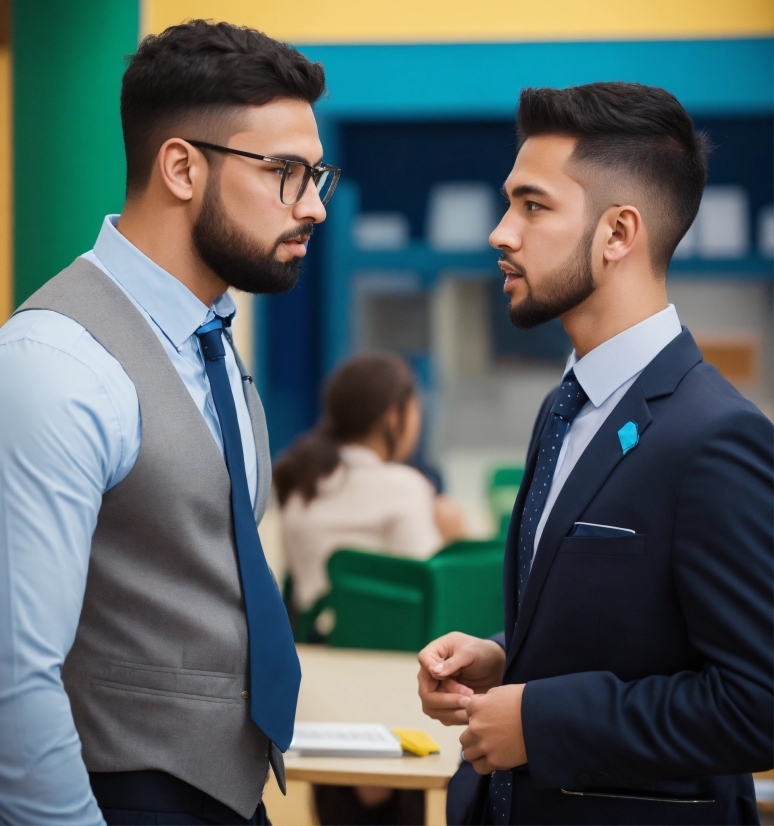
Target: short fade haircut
x=635 y=139
x=200 y=74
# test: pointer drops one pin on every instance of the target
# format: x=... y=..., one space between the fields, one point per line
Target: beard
x=566 y=287
x=235 y=257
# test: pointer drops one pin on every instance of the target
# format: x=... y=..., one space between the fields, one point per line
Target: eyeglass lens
x=294 y=181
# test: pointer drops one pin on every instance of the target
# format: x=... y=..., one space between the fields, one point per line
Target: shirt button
x=245 y=695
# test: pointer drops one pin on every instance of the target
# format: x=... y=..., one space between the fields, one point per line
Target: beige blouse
x=365 y=504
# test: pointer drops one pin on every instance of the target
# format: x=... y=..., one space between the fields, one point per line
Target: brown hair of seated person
x=370 y=400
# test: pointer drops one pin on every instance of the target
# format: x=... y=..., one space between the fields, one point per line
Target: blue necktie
x=569 y=400
x=275 y=673
x=567 y=404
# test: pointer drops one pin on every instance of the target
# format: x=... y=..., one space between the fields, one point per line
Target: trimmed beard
x=566 y=287
x=236 y=258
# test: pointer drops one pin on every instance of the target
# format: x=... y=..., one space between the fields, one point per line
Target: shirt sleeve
x=412 y=530
x=62 y=444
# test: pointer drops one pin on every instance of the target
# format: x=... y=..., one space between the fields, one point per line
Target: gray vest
x=157 y=675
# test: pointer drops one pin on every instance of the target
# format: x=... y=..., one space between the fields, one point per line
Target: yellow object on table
x=415 y=741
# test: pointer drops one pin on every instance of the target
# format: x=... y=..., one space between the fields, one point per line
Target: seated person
x=343 y=485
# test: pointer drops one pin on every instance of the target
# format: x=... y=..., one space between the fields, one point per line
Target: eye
x=532 y=206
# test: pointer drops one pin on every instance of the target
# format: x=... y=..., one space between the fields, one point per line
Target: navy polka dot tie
x=567 y=405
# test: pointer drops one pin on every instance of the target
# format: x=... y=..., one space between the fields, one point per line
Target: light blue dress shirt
x=606 y=373
x=71 y=430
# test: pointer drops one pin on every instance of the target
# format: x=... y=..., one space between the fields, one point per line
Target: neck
x=164 y=235
x=617 y=304
x=375 y=442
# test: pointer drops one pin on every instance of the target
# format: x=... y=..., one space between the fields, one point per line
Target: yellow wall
x=439 y=21
x=6 y=196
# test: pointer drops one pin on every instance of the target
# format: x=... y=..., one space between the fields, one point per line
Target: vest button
x=245 y=695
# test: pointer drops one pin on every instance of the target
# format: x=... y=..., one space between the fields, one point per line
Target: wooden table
x=345 y=685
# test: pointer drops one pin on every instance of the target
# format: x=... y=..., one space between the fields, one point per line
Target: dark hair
x=357 y=395
x=634 y=131
x=204 y=69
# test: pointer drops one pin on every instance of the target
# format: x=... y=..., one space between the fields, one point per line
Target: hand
x=449 y=519
x=452 y=669
x=494 y=738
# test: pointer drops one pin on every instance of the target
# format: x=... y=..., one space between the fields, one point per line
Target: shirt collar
x=171 y=305
x=359 y=455
x=602 y=371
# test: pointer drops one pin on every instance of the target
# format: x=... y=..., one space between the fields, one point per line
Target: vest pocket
x=177 y=682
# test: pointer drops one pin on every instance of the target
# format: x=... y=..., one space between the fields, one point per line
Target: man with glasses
x=160 y=687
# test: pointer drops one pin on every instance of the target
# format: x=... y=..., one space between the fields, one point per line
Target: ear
x=182 y=168
x=391 y=418
x=623 y=228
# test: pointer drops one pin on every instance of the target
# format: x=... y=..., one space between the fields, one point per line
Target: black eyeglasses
x=295 y=174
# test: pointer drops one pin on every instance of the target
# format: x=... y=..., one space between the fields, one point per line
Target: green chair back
x=393 y=603
x=504 y=484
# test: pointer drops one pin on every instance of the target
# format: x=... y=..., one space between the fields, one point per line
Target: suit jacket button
x=245 y=695
x=584 y=780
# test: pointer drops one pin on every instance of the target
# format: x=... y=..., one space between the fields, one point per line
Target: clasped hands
x=460 y=684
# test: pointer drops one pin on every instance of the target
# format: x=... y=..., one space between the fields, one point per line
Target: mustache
x=511 y=263
x=294 y=234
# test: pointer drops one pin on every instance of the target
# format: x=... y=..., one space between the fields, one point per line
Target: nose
x=506 y=235
x=309 y=209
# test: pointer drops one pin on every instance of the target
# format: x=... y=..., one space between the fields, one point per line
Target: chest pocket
x=632 y=545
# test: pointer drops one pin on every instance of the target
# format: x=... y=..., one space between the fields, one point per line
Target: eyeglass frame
x=309 y=174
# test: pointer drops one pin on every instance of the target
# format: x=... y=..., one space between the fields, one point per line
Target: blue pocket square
x=599 y=531
x=628 y=436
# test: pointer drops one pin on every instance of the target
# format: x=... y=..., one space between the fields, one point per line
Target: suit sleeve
x=593 y=728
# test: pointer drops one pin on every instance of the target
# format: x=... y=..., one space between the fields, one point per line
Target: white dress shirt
x=71 y=430
x=605 y=374
x=365 y=504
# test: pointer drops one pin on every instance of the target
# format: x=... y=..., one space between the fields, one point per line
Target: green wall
x=69 y=160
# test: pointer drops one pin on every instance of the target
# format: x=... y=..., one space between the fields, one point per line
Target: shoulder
x=54 y=374
x=34 y=337
x=706 y=404
x=407 y=479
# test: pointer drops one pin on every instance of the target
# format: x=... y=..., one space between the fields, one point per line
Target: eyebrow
x=524 y=189
x=289 y=156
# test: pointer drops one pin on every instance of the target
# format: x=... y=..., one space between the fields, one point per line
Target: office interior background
x=420 y=117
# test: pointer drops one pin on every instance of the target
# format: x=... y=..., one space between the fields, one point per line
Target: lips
x=297 y=245
x=511 y=275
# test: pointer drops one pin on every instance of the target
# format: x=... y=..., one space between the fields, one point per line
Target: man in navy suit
x=633 y=683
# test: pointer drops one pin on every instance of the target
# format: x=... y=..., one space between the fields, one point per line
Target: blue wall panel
x=708 y=76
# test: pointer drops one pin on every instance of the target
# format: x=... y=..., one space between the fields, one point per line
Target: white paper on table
x=344 y=740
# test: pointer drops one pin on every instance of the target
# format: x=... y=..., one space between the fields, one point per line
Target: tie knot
x=570 y=398
x=211 y=339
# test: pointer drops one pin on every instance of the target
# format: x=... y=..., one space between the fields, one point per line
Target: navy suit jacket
x=649 y=658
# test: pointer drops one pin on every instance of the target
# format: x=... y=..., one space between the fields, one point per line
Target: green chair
x=393 y=603
x=504 y=484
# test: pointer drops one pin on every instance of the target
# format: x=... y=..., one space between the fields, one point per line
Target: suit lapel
x=589 y=474
x=660 y=378
x=512 y=540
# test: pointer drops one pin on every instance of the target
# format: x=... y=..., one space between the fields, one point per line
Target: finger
x=427 y=684
x=436 y=652
x=447 y=718
x=451 y=665
x=453 y=687
x=471 y=745
x=446 y=700
x=482 y=765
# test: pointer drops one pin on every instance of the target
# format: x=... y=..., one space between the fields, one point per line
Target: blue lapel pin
x=628 y=436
